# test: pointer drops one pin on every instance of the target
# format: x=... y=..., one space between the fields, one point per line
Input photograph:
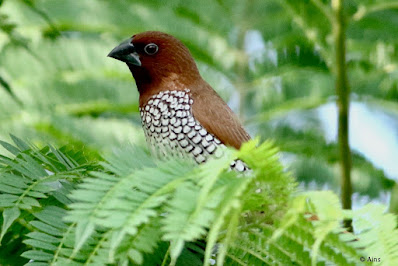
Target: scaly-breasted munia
x=181 y=113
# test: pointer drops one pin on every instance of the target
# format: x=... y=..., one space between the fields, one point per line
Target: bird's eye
x=151 y=49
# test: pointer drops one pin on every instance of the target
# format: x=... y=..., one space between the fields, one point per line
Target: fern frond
x=377 y=233
x=53 y=240
x=135 y=206
x=272 y=186
x=33 y=176
x=125 y=202
x=193 y=206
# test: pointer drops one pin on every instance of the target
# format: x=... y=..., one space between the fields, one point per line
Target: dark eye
x=151 y=49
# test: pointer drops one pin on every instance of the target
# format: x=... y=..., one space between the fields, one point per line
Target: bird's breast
x=172 y=131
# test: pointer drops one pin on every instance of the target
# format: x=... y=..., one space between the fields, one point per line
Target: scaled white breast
x=172 y=131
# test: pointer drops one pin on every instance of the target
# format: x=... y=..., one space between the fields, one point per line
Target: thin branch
x=325 y=10
x=365 y=11
x=44 y=16
x=61 y=244
x=96 y=248
x=9 y=90
x=166 y=256
x=343 y=101
x=241 y=60
x=312 y=34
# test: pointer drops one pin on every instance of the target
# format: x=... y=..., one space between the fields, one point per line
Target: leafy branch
x=133 y=206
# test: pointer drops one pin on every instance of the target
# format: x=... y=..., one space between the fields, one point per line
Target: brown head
x=158 y=61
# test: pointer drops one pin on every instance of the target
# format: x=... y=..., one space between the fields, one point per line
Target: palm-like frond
x=135 y=206
x=34 y=175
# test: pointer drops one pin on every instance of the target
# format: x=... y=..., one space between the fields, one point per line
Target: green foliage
x=78 y=208
x=70 y=205
x=35 y=178
x=69 y=90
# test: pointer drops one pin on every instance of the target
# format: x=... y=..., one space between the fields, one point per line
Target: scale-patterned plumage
x=172 y=131
x=181 y=114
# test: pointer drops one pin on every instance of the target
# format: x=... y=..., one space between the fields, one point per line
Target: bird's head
x=157 y=60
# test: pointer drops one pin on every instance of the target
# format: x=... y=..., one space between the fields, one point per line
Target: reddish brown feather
x=173 y=68
x=215 y=115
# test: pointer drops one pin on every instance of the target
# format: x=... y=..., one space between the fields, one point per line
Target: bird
x=181 y=114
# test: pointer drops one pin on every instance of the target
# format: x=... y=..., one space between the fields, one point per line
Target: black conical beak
x=126 y=52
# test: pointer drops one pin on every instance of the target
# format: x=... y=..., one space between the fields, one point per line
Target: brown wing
x=218 y=119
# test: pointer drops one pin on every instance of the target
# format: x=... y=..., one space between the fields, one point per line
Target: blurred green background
x=271 y=60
